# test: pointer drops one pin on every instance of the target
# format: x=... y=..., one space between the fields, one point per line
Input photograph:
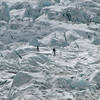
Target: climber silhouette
x=38 y=48
x=54 y=52
x=88 y=36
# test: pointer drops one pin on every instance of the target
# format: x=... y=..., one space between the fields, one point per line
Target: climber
x=54 y=52
x=38 y=48
x=88 y=36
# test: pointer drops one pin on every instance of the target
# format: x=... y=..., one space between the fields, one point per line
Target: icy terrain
x=70 y=26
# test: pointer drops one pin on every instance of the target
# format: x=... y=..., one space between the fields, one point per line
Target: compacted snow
x=70 y=26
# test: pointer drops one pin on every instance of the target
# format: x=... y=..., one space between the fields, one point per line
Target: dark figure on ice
x=54 y=52
x=38 y=48
x=88 y=36
x=69 y=16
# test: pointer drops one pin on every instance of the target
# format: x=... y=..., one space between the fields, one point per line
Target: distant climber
x=54 y=52
x=69 y=16
x=38 y=48
x=88 y=36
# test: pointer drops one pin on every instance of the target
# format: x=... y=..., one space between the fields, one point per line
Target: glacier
x=71 y=27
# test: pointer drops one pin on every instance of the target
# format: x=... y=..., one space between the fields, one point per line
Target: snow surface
x=70 y=26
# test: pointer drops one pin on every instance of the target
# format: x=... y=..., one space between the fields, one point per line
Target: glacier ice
x=96 y=40
x=80 y=84
x=32 y=12
x=21 y=79
x=43 y=3
x=4 y=12
x=19 y=5
x=67 y=25
x=96 y=78
x=34 y=42
x=72 y=84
